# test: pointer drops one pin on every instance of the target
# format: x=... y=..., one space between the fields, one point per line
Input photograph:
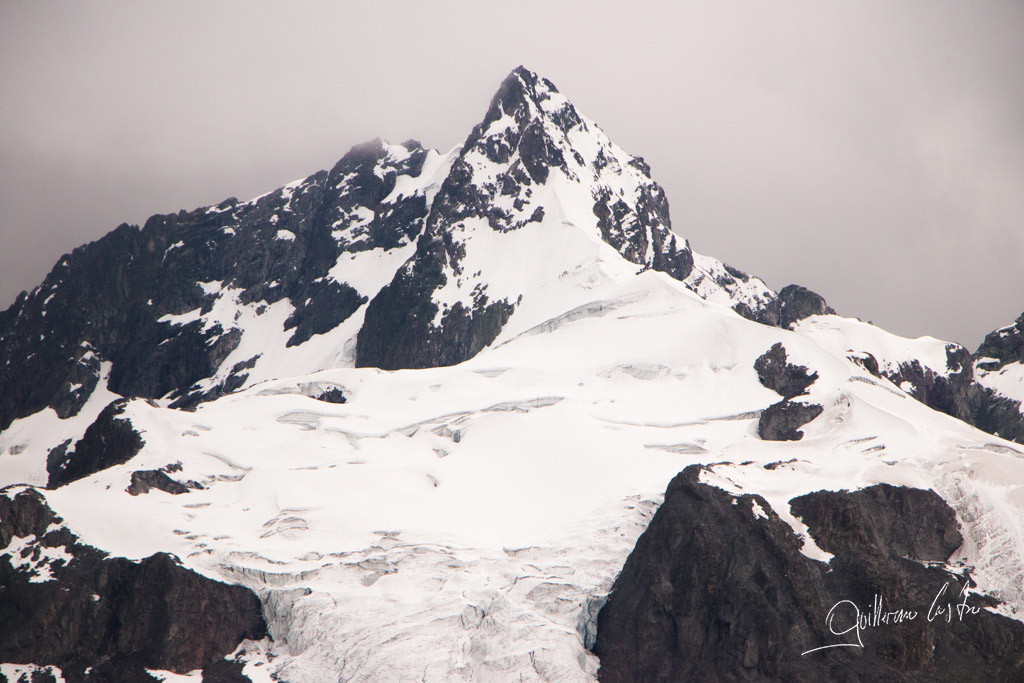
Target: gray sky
x=872 y=151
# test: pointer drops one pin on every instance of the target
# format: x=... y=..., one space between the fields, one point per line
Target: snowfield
x=464 y=523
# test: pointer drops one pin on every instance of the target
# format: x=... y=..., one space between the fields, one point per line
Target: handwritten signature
x=845 y=617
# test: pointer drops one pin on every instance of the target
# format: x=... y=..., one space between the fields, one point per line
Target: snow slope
x=463 y=523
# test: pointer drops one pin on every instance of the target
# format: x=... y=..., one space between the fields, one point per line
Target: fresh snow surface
x=849 y=335
x=464 y=523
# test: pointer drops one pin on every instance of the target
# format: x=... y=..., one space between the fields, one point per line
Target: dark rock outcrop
x=225 y=671
x=25 y=514
x=332 y=306
x=996 y=414
x=988 y=409
x=784 y=378
x=333 y=395
x=717 y=589
x=111 y=615
x=949 y=392
x=108 y=441
x=797 y=303
x=767 y=314
x=895 y=521
x=865 y=360
x=1003 y=346
x=782 y=421
x=143 y=481
x=398 y=330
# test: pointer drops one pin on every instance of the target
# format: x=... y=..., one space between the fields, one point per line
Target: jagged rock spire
x=532 y=154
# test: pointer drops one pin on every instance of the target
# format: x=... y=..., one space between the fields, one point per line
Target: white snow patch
x=368 y=271
x=26 y=555
x=16 y=672
x=181 y=318
x=171 y=677
x=211 y=287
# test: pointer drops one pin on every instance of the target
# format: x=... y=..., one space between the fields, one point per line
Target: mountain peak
x=536 y=167
x=521 y=91
x=522 y=98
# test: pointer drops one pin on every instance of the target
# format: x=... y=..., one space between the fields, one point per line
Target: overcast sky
x=872 y=151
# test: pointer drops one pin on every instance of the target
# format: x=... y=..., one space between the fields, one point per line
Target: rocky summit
x=484 y=414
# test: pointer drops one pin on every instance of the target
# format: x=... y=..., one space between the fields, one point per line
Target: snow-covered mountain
x=424 y=404
x=380 y=262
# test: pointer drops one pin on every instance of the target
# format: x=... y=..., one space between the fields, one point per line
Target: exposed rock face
x=398 y=331
x=143 y=481
x=66 y=604
x=24 y=515
x=225 y=671
x=782 y=421
x=107 y=442
x=334 y=395
x=780 y=376
x=947 y=393
x=996 y=414
x=717 y=589
x=893 y=521
x=766 y=315
x=105 y=300
x=1002 y=347
x=994 y=404
x=797 y=303
x=866 y=361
